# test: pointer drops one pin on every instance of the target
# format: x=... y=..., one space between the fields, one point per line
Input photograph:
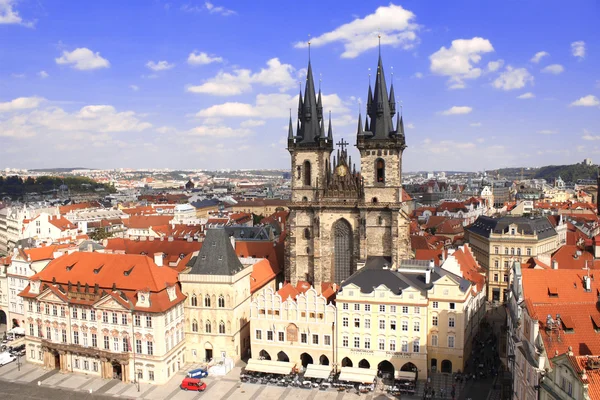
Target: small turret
x=359 y=131
x=392 y=101
x=330 y=131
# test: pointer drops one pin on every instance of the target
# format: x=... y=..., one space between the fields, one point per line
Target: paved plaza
x=221 y=387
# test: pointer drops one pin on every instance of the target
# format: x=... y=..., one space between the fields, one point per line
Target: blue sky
x=195 y=84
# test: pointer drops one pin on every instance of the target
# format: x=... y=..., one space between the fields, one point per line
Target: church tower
x=340 y=219
x=381 y=145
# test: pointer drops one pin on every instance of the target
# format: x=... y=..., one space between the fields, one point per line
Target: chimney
x=554 y=264
x=90 y=247
x=158 y=259
x=151 y=238
x=170 y=238
x=427 y=276
x=232 y=239
x=431 y=264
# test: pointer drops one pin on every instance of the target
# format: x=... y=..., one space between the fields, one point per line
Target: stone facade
x=328 y=192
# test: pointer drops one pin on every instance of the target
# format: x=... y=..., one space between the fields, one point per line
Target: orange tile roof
x=469 y=267
x=262 y=273
x=573 y=303
x=150 y=247
x=78 y=206
x=108 y=269
x=147 y=221
x=573 y=257
x=419 y=242
x=43 y=253
x=430 y=254
x=288 y=290
x=62 y=223
x=592 y=375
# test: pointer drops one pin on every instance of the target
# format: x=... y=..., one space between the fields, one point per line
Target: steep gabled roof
x=217 y=256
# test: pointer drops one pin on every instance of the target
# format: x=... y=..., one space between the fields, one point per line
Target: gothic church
x=342 y=220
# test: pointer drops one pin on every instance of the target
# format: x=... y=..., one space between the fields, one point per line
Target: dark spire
x=369 y=96
x=360 y=131
x=329 y=130
x=300 y=103
x=310 y=127
x=392 y=100
x=400 y=126
x=380 y=113
x=319 y=103
x=291 y=128
x=367 y=123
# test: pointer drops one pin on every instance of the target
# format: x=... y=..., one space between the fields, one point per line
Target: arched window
x=221 y=301
x=307 y=179
x=221 y=327
x=343 y=250
x=512 y=251
x=194 y=301
x=306 y=233
x=207 y=301
x=207 y=326
x=374 y=200
x=379 y=171
x=194 y=326
x=379 y=220
x=518 y=251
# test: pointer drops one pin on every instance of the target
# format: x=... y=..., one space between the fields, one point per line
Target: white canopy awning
x=317 y=371
x=270 y=367
x=17 y=331
x=406 y=375
x=358 y=375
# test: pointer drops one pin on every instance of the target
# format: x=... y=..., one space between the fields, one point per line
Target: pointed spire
x=310 y=124
x=319 y=103
x=290 y=128
x=366 y=123
x=392 y=100
x=379 y=110
x=300 y=105
x=369 y=97
x=329 y=130
x=360 y=131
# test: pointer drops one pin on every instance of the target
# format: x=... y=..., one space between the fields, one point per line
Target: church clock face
x=341 y=170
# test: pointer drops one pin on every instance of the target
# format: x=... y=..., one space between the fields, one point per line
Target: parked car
x=193 y=384
x=6 y=358
x=197 y=373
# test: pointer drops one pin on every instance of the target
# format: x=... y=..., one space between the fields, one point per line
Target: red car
x=193 y=384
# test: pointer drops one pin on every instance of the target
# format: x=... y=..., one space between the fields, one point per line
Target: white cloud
x=475 y=124
x=480 y=140
x=538 y=56
x=159 y=66
x=135 y=88
x=457 y=110
x=410 y=126
x=83 y=59
x=494 y=66
x=547 y=132
x=553 y=69
x=527 y=95
x=274 y=105
x=513 y=78
x=578 y=49
x=207 y=6
x=418 y=75
x=219 y=131
x=21 y=103
x=241 y=80
x=251 y=123
x=43 y=74
x=166 y=129
x=394 y=23
x=458 y=62
x=90 y=119
x=586 y=101
x=587 y=135
x=8 y=14
x=201 y=58
x=218 y=9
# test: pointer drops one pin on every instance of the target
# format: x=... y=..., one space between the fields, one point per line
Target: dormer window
x=553 y=292
x=513 y=231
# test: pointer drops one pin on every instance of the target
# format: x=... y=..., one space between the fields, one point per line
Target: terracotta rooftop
x=147 y=221
x=549 y=292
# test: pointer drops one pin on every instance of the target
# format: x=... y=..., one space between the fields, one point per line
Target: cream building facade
x=498 y=242
x=300 y=330
x=217 y=310
x=120 y=323
x=414 y=318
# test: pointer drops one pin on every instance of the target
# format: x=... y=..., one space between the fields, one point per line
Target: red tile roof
x=147 y=221
x=62 y=223
x=150 y=247
x=469 y=267
x=43 y=253
x=262 y=273
x=78 y=206
x=572 y=303
x=592 y=376
x=573 y=257
x=419 y=242
x=127 y=271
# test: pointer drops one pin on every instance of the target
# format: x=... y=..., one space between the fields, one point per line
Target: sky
x=209 y=85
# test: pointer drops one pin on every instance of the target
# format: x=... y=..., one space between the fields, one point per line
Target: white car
x=6 y=358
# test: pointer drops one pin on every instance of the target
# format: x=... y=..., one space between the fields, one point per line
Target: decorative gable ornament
x=143 y=299
x=35 y=287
